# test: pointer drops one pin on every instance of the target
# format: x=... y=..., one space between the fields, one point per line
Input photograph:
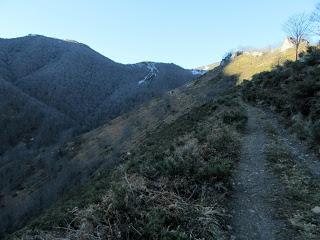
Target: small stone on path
x=316 y=210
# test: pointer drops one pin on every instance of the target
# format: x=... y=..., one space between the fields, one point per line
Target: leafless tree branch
x=298 y=27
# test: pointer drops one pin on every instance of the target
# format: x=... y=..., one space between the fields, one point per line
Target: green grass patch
x=247 y=65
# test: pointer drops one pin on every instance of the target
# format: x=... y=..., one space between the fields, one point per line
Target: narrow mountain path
x=301 y=153
x=252 y=205
x=258 y=192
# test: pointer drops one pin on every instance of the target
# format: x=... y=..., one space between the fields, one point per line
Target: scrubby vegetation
x=293 y=90
x=173 y=185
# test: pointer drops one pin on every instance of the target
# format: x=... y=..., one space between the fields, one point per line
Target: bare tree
x=315 y=20
x=297 y=28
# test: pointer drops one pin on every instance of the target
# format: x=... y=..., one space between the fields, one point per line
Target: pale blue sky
x=187 y=32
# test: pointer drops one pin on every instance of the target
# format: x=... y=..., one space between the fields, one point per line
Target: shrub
x=312 y=57
x=291 y=90
x=234 y=117
x=315 y=132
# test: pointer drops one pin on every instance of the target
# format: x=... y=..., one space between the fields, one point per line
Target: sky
x=189 y=33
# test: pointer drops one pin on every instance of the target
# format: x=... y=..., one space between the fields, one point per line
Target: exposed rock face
x=287 y=44
x=316 y=210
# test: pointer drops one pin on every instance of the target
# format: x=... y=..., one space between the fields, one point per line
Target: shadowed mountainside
x=51 y=91
x=71 y=80
x=73 y=163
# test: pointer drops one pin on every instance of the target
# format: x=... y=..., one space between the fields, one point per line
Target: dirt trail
x=257 y=191
x=252 y=206
x=300 y=152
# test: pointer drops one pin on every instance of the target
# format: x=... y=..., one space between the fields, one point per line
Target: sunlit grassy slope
x=247 y=65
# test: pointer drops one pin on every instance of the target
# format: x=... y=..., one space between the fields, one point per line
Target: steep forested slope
x=27 y=121
x=50 y=91
x=71 y=79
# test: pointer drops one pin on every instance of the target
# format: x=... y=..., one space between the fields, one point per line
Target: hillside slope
x=247 y=64
x=27 y=121
x=74 y=162
x=292 y=90
x=186 y=124
x=288 y=98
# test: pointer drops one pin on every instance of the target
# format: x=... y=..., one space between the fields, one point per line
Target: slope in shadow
x=72 y=80
x=73 y=163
